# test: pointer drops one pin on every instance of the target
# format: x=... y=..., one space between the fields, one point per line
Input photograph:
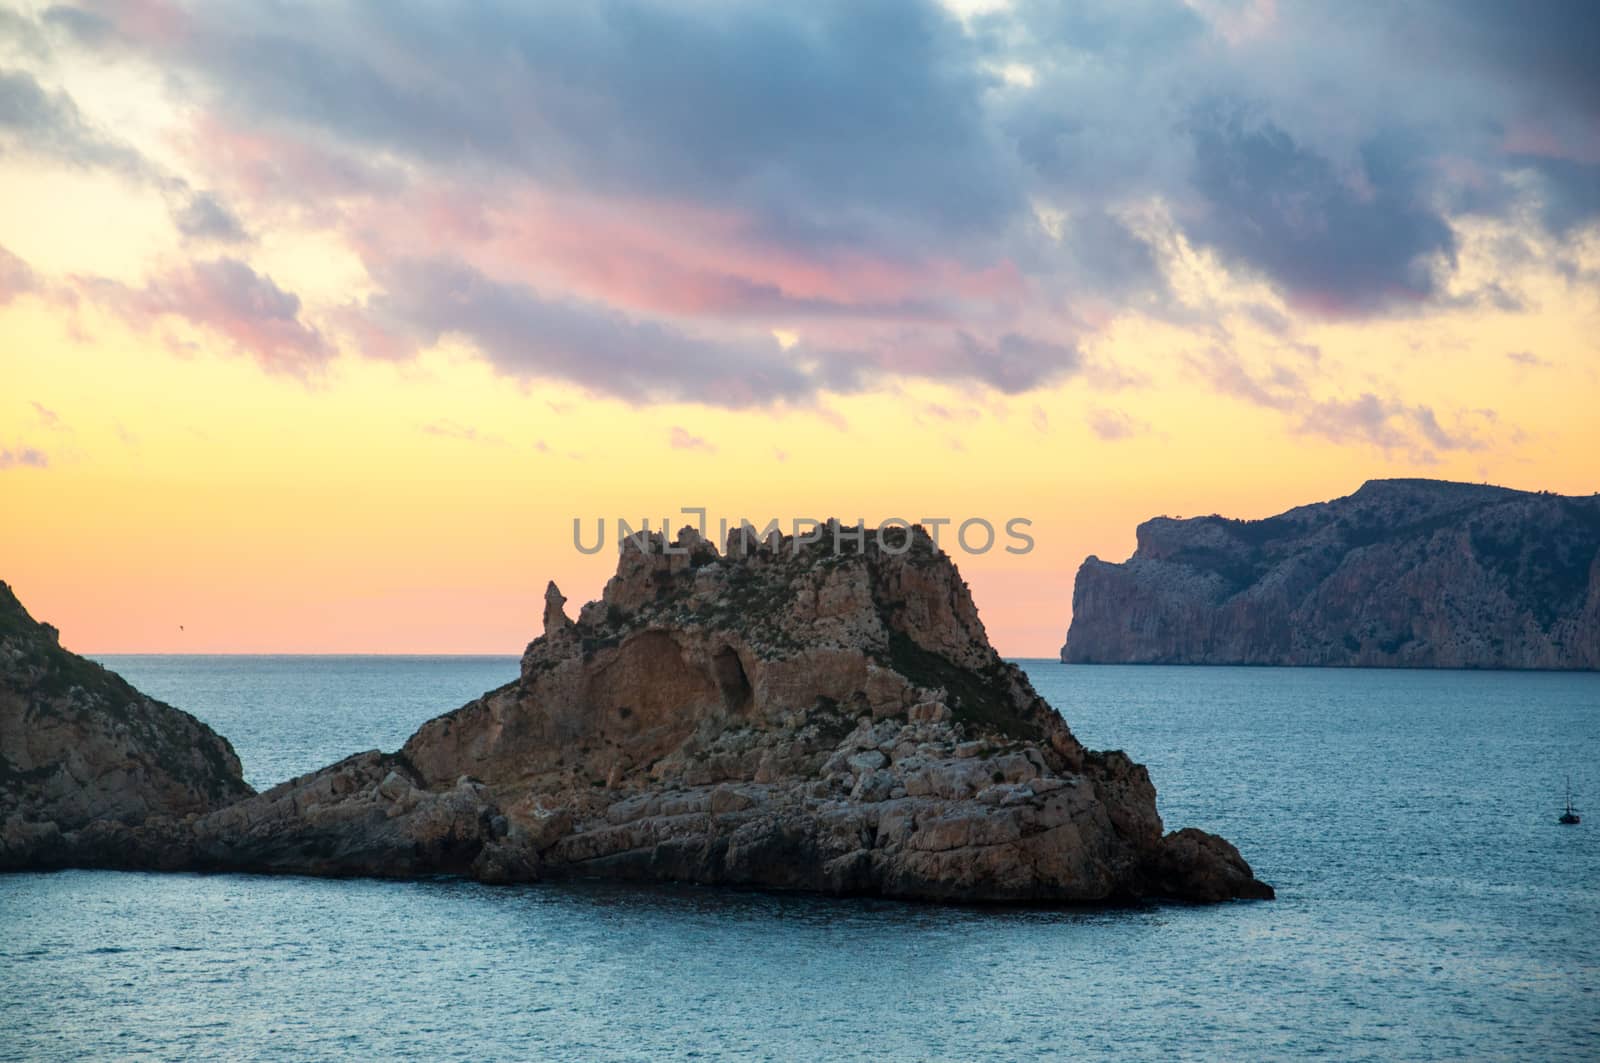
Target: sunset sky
x=320 y=323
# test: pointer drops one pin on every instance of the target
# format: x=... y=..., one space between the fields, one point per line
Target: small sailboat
x=1570 y=816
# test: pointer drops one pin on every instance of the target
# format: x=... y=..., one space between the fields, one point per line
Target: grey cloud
x=35 y=120
x=1322 y=151
x=524 y=334
x=1275 y=206
x=1385 y=423
x=24 y=458
x=1529 y=359
x=32 y=118
x=1368 y=418
x=1569 y=190
x=1114 y=425
x=1549 y=47
x=16 y=277
x=89 y=27
x=1279 y=388
x=830 y=122
x=20 y=34
x=204 y=217
x=1014 y=363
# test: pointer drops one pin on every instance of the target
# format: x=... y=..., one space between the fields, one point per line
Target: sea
x=1429 y=906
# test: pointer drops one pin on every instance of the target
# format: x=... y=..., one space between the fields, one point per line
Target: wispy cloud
x=16 y=277
x=447 y=429
x=47 y=417
x=23 y=458
x=683 y=439
x=229 y=299
x=45 y=123
x=1387 y=423
x=1529 y=360
x=1114 y=425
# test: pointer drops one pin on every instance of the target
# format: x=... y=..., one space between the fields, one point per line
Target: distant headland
x=1403 y=573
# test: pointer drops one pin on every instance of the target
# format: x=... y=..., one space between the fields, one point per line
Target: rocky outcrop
x=786 y=715
x=85 y=759
x=1403 y=573
x=779 y=716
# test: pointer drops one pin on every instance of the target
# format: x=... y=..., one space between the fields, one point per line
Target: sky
x=321 y=323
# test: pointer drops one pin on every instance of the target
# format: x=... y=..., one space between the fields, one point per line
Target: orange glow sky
x=320 y=446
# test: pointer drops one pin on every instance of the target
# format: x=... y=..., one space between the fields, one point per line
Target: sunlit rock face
x=782 y=714
x=1403 y=573
x=802 y=716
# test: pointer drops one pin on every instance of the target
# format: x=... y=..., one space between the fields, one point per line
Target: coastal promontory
x=1402 y=573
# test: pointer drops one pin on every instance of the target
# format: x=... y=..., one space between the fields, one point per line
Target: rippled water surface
x=1429 y=906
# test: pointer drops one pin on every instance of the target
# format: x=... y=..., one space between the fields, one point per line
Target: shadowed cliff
x=1403 y=573
x=84 y=757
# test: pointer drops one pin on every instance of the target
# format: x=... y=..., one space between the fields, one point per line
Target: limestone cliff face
x=83 y=755
x=777 y=715
x=1403 y=573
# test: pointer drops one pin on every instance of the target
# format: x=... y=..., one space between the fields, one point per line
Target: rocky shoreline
x=782 y=715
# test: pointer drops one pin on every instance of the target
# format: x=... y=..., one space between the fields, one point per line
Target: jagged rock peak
x=556 y=621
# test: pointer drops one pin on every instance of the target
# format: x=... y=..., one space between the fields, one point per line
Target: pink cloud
x=228 y=299
x=16 y=277
x=676 y=258
x=682 y=439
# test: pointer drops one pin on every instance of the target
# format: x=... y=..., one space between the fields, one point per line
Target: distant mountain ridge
x=1403 y=573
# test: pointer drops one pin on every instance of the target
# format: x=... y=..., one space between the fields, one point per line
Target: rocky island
x=783 y=715
x=1403 y=573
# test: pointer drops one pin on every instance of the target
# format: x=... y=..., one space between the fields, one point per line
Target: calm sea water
x=1429 y=907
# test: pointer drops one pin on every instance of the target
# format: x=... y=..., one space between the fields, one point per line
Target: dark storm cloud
x=1548 y=47
x=827 y=120
x=1274 y=206
x=1570 y=190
